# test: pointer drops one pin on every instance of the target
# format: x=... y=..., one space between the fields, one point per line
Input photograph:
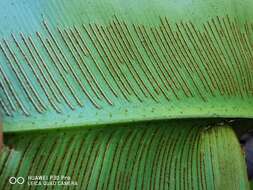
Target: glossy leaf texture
x=87 y=63
x=157 y=155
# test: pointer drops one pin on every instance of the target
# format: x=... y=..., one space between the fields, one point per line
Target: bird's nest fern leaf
x=83 y=63
x=159 y=155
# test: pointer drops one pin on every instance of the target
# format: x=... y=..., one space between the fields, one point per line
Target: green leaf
x=74 y=63
x=80 y=63
x=158 y=155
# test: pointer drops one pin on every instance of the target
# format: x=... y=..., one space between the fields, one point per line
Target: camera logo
x=18 y=180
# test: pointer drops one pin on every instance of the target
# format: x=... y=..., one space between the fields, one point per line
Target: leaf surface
x=88 y=63
x=158 y=155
